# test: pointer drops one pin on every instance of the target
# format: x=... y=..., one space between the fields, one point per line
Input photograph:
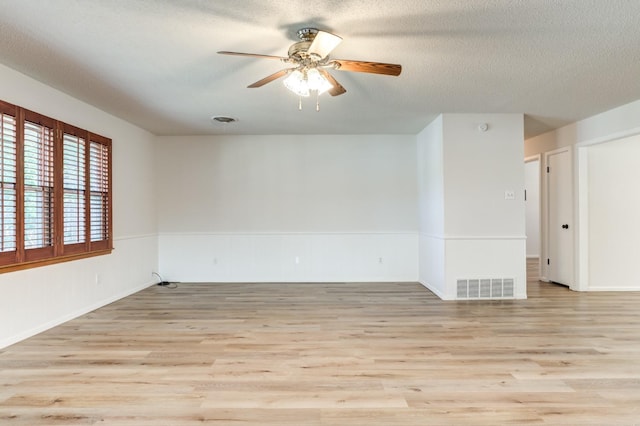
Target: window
x=55 y=190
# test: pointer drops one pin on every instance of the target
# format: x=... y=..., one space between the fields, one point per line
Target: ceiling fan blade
x=269 y=78
x=370 y=67
x=323 y=44
x=254 y=55
x=337 y=88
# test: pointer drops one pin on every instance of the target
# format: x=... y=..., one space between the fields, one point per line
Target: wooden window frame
x=23 y=258
x=9 y=257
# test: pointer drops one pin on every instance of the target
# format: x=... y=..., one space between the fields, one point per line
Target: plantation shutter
x=8 y=184
x=100 y=192
x=74 y=191
x=38 y=175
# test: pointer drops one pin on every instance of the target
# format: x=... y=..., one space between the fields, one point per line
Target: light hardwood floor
x=331 y=354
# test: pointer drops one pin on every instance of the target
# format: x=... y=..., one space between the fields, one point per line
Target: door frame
x=581 y=203
x=538 y=158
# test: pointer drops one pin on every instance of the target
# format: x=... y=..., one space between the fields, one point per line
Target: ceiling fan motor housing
x=299 y=50
x=307 y=34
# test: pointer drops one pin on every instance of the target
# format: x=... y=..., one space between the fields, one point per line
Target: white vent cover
x=485 y=288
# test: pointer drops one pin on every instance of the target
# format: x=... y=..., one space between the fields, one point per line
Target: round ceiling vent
x=224 y=119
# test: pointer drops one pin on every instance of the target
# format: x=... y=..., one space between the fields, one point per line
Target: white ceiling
x=154 y=62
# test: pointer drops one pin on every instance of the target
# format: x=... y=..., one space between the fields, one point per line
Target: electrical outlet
x=98 y=278
x=379 y=260
x=509 y=195
x=297 y=260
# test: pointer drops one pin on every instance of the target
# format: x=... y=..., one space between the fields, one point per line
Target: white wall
x=532 y=207
x=483 y=234
x=604 y=128
x=431 y=202
x=288 y=208
x=614 y=214
x=36 y=299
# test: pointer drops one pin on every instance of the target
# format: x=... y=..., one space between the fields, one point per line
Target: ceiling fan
x=310 y=60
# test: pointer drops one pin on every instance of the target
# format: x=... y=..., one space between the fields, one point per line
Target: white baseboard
x=434 y=290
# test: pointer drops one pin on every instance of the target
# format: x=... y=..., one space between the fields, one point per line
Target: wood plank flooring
x=331 y=354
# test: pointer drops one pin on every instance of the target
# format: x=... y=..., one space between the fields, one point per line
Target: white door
x=560 y=214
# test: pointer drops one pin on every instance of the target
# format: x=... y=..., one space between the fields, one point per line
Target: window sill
x=52 y=261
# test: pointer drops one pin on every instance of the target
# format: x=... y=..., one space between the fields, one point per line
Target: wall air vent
x=485 y=288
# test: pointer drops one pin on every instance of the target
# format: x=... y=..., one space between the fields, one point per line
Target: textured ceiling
x=154 y=62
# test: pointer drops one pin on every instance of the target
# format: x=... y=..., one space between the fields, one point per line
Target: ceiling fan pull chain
x=299 y=103
x=317 y=101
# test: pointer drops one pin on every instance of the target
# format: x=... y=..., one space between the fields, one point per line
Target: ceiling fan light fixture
x=317 y=81
x=297 y=83
x=303 y=82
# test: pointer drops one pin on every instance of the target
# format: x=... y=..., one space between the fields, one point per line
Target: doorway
x=532 y=215
x=609 y=207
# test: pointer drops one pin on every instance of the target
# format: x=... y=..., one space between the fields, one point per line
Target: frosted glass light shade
x=317 y=81
x=297 y=83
